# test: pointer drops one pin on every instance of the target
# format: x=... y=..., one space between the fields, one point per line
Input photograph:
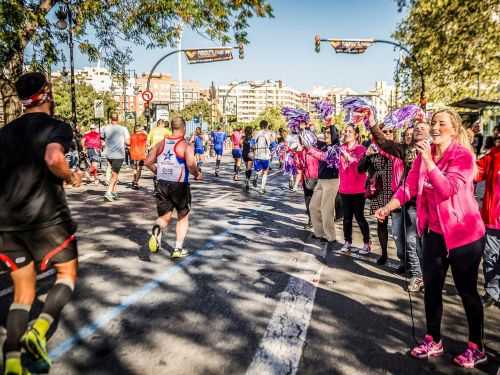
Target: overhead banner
x=207 y=55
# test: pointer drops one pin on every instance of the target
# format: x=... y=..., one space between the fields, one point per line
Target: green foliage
x=200 y=107
x=454 y=41
x=86 y=96
x=273 y=116
x=153 y=24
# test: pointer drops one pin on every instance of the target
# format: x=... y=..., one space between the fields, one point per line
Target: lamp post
x=63 y=14
x=358 y=46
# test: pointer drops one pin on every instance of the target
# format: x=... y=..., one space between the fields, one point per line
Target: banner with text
x=207 y=55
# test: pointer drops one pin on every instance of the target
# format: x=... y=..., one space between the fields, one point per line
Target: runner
x=236 y=141
x=91 y=143
x=248 y=155
x=263 y=139
x=158 y=133
x=218 y=139
x=171 y=161
x=198 y=141
x=138 y=151
x=36 y=228
x=116 y=137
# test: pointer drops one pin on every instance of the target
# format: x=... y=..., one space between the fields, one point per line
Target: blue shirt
x=218 y=139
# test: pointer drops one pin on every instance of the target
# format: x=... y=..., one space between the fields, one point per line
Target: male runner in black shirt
x=36 y=229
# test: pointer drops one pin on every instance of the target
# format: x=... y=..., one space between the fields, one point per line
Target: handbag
x=373 y=186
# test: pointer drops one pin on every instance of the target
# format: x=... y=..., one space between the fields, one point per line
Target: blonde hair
x=456 y=121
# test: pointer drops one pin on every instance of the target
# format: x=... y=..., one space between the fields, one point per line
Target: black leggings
x=383 y=235
x=354 y=205
x=464 y=262
x=308 y=187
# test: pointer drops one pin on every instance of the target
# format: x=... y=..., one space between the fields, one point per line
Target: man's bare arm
x=150 y=161
x=191 y=162
x=58 y=165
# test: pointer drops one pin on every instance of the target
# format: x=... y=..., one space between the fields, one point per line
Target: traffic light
x=317 y=43
x=241 y=51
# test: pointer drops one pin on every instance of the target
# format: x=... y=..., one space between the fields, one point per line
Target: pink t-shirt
x=236 y=138
x=92 y=139
x=351 y=181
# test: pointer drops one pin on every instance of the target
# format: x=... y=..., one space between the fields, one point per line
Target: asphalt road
x=258 y=295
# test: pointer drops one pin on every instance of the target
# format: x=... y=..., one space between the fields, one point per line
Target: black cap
x=29 y=84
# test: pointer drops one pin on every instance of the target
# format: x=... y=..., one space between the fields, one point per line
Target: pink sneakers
x=428 y=348
x=471 y=357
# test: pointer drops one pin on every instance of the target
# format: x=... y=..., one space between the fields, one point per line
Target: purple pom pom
x=308 y=138
x=332 y=158
x=289 y=166
x=404 y=115
x=295 y=117
x=352 y=105
x=324 y=108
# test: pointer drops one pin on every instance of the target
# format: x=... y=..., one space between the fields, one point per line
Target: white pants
x=322 y=208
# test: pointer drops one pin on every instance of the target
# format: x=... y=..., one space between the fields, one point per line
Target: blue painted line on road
x=113 y=312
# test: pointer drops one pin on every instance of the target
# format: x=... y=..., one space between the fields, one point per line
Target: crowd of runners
x=425 y=183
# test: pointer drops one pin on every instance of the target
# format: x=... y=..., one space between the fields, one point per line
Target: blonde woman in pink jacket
x=448 y=218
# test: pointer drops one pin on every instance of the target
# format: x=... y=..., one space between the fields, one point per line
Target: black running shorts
x=116 y=164
x=45 y=246
x=170 y=195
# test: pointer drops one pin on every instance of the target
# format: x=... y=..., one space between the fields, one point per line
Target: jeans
x=413 y=242
x=464 y=262
x=491 y=263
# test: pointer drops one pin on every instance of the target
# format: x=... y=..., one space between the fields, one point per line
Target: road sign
x=99 y=108
x=206 y=55
x=147 y=95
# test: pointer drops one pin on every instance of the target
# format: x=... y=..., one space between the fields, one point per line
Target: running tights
x=464 y=262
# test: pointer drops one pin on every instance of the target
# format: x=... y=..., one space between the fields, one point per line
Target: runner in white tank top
x=171 y=161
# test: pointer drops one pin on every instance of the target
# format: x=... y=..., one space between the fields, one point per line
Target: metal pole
x=72 y=67
x=124 y=92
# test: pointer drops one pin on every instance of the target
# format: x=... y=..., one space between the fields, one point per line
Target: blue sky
x=283 y=47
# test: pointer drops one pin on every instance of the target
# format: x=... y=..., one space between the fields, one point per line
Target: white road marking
x=281 y=348
x=44 y=275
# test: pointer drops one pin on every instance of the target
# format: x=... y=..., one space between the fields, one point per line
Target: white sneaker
x=346 y=247
x=367 y=249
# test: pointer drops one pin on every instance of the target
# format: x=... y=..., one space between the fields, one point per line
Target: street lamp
x=64 y=13
x=358 y=46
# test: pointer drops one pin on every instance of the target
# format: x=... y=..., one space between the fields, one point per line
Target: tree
x=454 y=41
x=101 y=26
x=273 y=116
x=85 y=97
x=198 y=108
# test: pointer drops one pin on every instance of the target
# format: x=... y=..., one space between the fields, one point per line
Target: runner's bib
x=169 y=165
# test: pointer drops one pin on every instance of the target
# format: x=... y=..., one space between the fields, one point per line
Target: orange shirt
x=138 y=146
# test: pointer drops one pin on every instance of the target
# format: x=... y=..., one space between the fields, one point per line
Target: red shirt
x=138 y=146
x=92 y=139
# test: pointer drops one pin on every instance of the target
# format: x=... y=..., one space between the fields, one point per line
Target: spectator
x=488 y=170
x=352 y=190
x=407 y=153
x=379 y=168
x=478 y=137
x=453 y=233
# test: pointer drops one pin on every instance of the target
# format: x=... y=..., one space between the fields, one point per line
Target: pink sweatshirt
x=308 y=164
x=451 y=190
x=351 y=181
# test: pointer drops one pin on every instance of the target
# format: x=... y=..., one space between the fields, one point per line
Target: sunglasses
x=387 y=131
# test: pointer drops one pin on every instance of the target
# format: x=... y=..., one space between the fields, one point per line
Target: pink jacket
x=452 y=182
x=351 y=181
x=308 y=164
x=397 y=169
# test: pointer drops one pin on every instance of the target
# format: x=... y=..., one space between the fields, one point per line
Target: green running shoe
x=179 y=253
x=155 y=239
x=13 y=366
x=36 y=345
